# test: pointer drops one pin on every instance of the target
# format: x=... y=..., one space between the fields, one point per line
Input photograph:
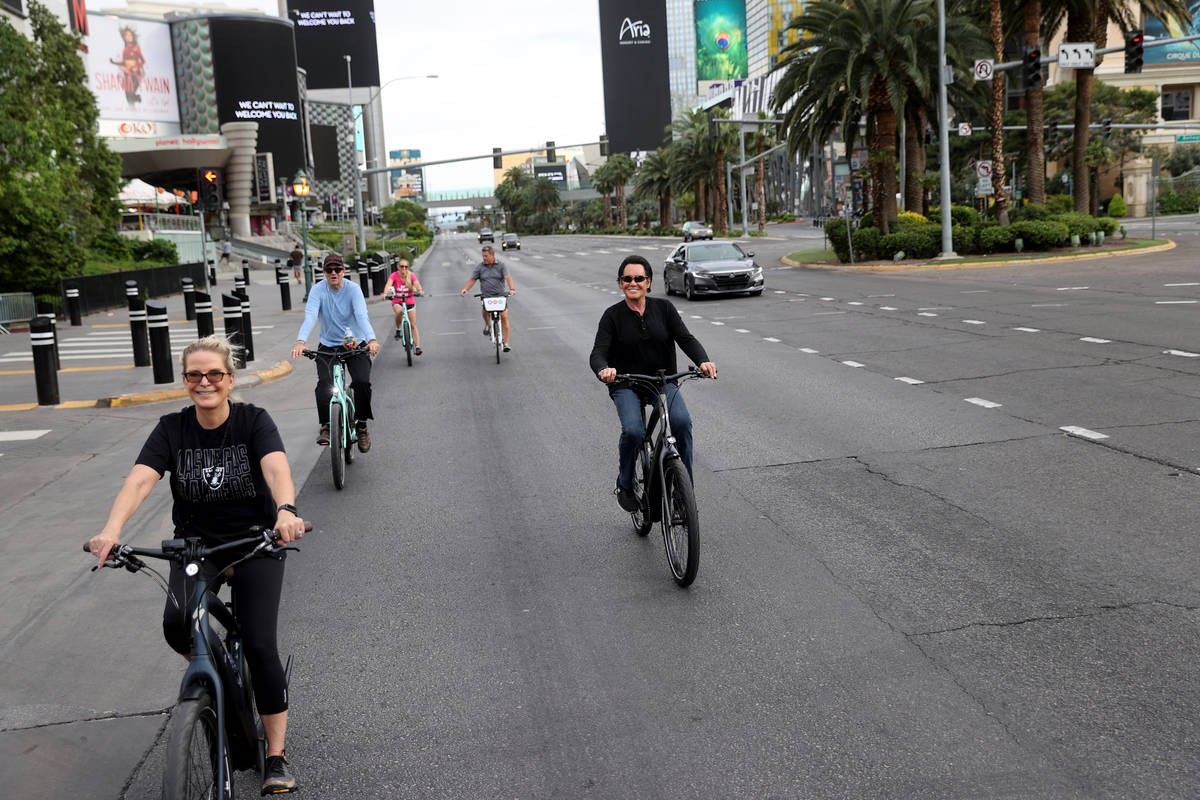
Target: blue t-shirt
x=337 y=311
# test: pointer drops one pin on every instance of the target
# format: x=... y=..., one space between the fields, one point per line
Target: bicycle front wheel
x=641 y=484
x=337 y=444
x=406 y=337
x=496 y=336
x=192 y=758
x=680 y=523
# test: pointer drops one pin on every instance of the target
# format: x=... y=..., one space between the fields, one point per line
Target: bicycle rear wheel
x=641 y=485
x=496 y=336
x=680 y=523
x=337 y=444
x=406 y=337
x=192 y=758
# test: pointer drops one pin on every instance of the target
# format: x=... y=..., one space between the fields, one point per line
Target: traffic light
x=1033 y=67
x=604 y=145
x=1052 y=132
x=1134 y=50
x=713 y=133
x=497 y=163
x=550 y=152
x=211 y=195
x=1106 y=128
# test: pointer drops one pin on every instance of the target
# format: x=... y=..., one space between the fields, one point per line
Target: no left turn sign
x=984 y=69
x=984 y=169
x=964 y=129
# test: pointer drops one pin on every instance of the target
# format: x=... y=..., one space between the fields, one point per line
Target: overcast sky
x=512 y=74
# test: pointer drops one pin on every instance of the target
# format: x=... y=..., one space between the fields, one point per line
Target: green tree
x=653 y=182
x=400 y=213
x=58 y=180
x=622 y=168
x=604 y=182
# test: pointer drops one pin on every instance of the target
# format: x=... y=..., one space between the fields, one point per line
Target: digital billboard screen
x=1178 y=53
x=721 y=40
x=325 y=152
x=329 y=30
x=637 y=91
x=254 y=69
x=555 y=172
x=131 y=70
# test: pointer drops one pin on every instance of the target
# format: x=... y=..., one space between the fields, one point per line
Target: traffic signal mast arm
x=1006 y=65
x=414 y=165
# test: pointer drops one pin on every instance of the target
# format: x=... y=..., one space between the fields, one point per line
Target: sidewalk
x=97 y=357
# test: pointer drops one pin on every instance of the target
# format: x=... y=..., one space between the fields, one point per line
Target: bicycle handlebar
x=341 y=355
x=661 y=378
x=124 y=555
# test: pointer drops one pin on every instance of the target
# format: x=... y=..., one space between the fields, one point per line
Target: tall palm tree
x=698 y=164
x=764 y=138
x=604 y=182
x=542 y=194
x=996 y=28
x=622 y=168
x=518 y=176
x=653 y=182
x=1035 y=169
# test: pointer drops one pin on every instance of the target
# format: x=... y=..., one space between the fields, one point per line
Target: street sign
x=983 y=187
x=964 y=129
x=1188 y=137
x=984 y=69
x=1078 y=55
x=984 y=170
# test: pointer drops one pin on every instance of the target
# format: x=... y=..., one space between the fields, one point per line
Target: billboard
x=131 y=70
x=721 y=40
x=637 y=91
x=254 y=69
x=1178 y=53
x=329 y=30
x=557 y=173
x=408 y=182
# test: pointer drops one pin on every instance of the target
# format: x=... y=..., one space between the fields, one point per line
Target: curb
x=1170 y=245
x=256 y=378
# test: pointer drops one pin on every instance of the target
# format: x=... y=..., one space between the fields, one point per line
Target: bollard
x=41 y=338
x=73 y=306
x=285 y=287
x=238 y=282
x=378 y=278
x=363 y=278
x=160 y=341
x=247 y=329
x=204 y=320
x=231 y=308
x=46 y=310
x=246 y=271
x=189 y=299
x=137 y=325
x=212 y=273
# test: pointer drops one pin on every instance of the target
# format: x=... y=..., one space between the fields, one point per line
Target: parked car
x=694 y=229
x=510 y=241
x=712 y=268
x=486 y=235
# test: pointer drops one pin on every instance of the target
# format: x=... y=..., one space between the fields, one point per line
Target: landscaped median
x=826 y=258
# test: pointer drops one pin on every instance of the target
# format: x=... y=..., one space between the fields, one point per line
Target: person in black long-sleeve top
x=638 y=335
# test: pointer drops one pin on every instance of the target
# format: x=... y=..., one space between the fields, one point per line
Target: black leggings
x=359 y=369
x=258 y=584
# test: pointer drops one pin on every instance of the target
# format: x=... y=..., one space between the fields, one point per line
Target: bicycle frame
x=340 y=395
x=662 y=447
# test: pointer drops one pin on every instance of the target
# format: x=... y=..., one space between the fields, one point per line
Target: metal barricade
x=16 y=307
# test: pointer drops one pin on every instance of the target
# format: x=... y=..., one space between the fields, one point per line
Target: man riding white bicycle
x=638 y=335
x=494 y=281
x=342 y=311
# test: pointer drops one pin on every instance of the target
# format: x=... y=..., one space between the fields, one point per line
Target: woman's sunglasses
x=214 y=376
x=633 y=279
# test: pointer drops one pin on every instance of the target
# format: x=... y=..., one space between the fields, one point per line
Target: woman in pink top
x=403 y=287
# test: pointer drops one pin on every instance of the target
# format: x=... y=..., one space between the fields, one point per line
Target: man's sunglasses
x=331 y=270
x=633 y=279
x=214 y=376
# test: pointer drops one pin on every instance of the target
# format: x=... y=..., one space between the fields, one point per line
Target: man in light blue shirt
x=342 y=311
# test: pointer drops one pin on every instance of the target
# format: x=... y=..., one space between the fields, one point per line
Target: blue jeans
x=633 y=431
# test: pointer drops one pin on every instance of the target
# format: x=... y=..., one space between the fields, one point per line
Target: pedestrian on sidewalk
x=297 y=260
x=227 y=252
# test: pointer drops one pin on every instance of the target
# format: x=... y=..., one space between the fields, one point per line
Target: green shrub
x=1078 y=223
x=914 y=242
x=1059 y=203
x=1117 y=207
x=162 y=250
x=1109 y=225
x=959 y=215
x=1040 y=234
x=866 y=244
x=835 y=231
x=1030 y=211
x=995 y=238
x=112 y=246
x=1185 y=202
x=415 y=230
x=963 y=237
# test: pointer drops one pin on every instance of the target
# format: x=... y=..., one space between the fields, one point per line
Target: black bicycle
x=661 y=481
x=215 y=728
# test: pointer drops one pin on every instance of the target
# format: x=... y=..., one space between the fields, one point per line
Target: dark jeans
x=258 y=584
x=359 y=368
x=633 y=431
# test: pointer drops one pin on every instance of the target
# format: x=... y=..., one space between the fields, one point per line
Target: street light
x=301 y=188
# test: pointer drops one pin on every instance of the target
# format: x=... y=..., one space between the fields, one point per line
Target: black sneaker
x=364 y=439
x=323 y=436
x=507 y=349
x=397 y=334
x=626 y=498
x=278 y=778
x=417 y=351
x=487 y=330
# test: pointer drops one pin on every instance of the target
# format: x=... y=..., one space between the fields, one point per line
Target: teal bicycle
x=405 y=329
x=342 y=433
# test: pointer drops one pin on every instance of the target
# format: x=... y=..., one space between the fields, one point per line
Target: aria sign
x=637 y=31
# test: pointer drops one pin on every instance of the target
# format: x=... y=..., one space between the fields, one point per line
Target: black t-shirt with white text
x=216 y=475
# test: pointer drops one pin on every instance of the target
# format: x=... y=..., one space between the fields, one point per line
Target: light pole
x=301 y=188
x=944 y=138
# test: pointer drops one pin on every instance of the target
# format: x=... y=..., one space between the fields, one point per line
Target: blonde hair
x=210 y=344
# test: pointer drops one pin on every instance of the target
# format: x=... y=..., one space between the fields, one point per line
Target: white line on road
x=888 y=308
x=1094 y=340
x=828 y=298
x=450 y=333
x=809 y=350
x=577 y=252
x=909 y=381
x=1193 y=283
x=1075 y=430
x=975 y=291
x=1174 y=302
x=853 y=364
x=1047 y=305
x=777 y=291
x=1183 y=353
x=716 y=322
x=770 y=339
x=1071 y=288
x=827 y=313
x=974 y=322
x=542 y=328
x=979 y=401
x=741 y=330
x=881 y=295
x=926 y=314
x=21 y=436
x=697 y=316
x=854 y=303
x=1028 y=330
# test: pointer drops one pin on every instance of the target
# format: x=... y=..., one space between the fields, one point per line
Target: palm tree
x=518 y=176
x=653 y=182
x=996 y=28
x=698 y=164
x=508 y=195
x=621 y=167
x=764 y=138
x=604 y=182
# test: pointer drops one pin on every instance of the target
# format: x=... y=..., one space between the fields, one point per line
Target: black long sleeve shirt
x=643 y=343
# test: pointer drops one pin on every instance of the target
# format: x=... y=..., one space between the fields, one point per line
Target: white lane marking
x=1183 y=353
x=888 y=308
x=770 y=339
x=1028 y=330
x=604 y=252
x=21 y=436
x=974 y=322
x=780 y=291
x=1174 y=302
x=542 y=328
x=909 y=381
x=697 y=316
x=795 y=299
x=559 y=255
x=539 y=257
x=809 y=350
x=854 y=303
x=451 y=333
x=979 y=401
x=741 y=330
x=936 y=308
x=1071 y=288
x=975 y=291
x=1075 y=430
x=827 y=313
x=1193 y=283
x=581 y=253
x=1094 y=340
x=445 y=263
x=828 y=298
x=926 y=314
x=881 y=295
x=853 y=364
x=716 y=322
x=1047 y=305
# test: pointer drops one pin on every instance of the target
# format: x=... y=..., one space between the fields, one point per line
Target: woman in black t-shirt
x=228 y=472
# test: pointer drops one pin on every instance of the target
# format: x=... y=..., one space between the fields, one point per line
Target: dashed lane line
x=809 y=350
x=1095 y=340
x=770 y=339
x=1175 y=302
x=974 y=322
x=1028 y=330
x=979 y=401
x=1183 y=353
x=1190 y=283
x=853 y=364
x=1084 y=433
x=910 y=381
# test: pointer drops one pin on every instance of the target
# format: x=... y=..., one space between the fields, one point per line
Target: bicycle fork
x=202 y=669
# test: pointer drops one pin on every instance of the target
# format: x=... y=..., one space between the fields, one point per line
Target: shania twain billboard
x=132 y=73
